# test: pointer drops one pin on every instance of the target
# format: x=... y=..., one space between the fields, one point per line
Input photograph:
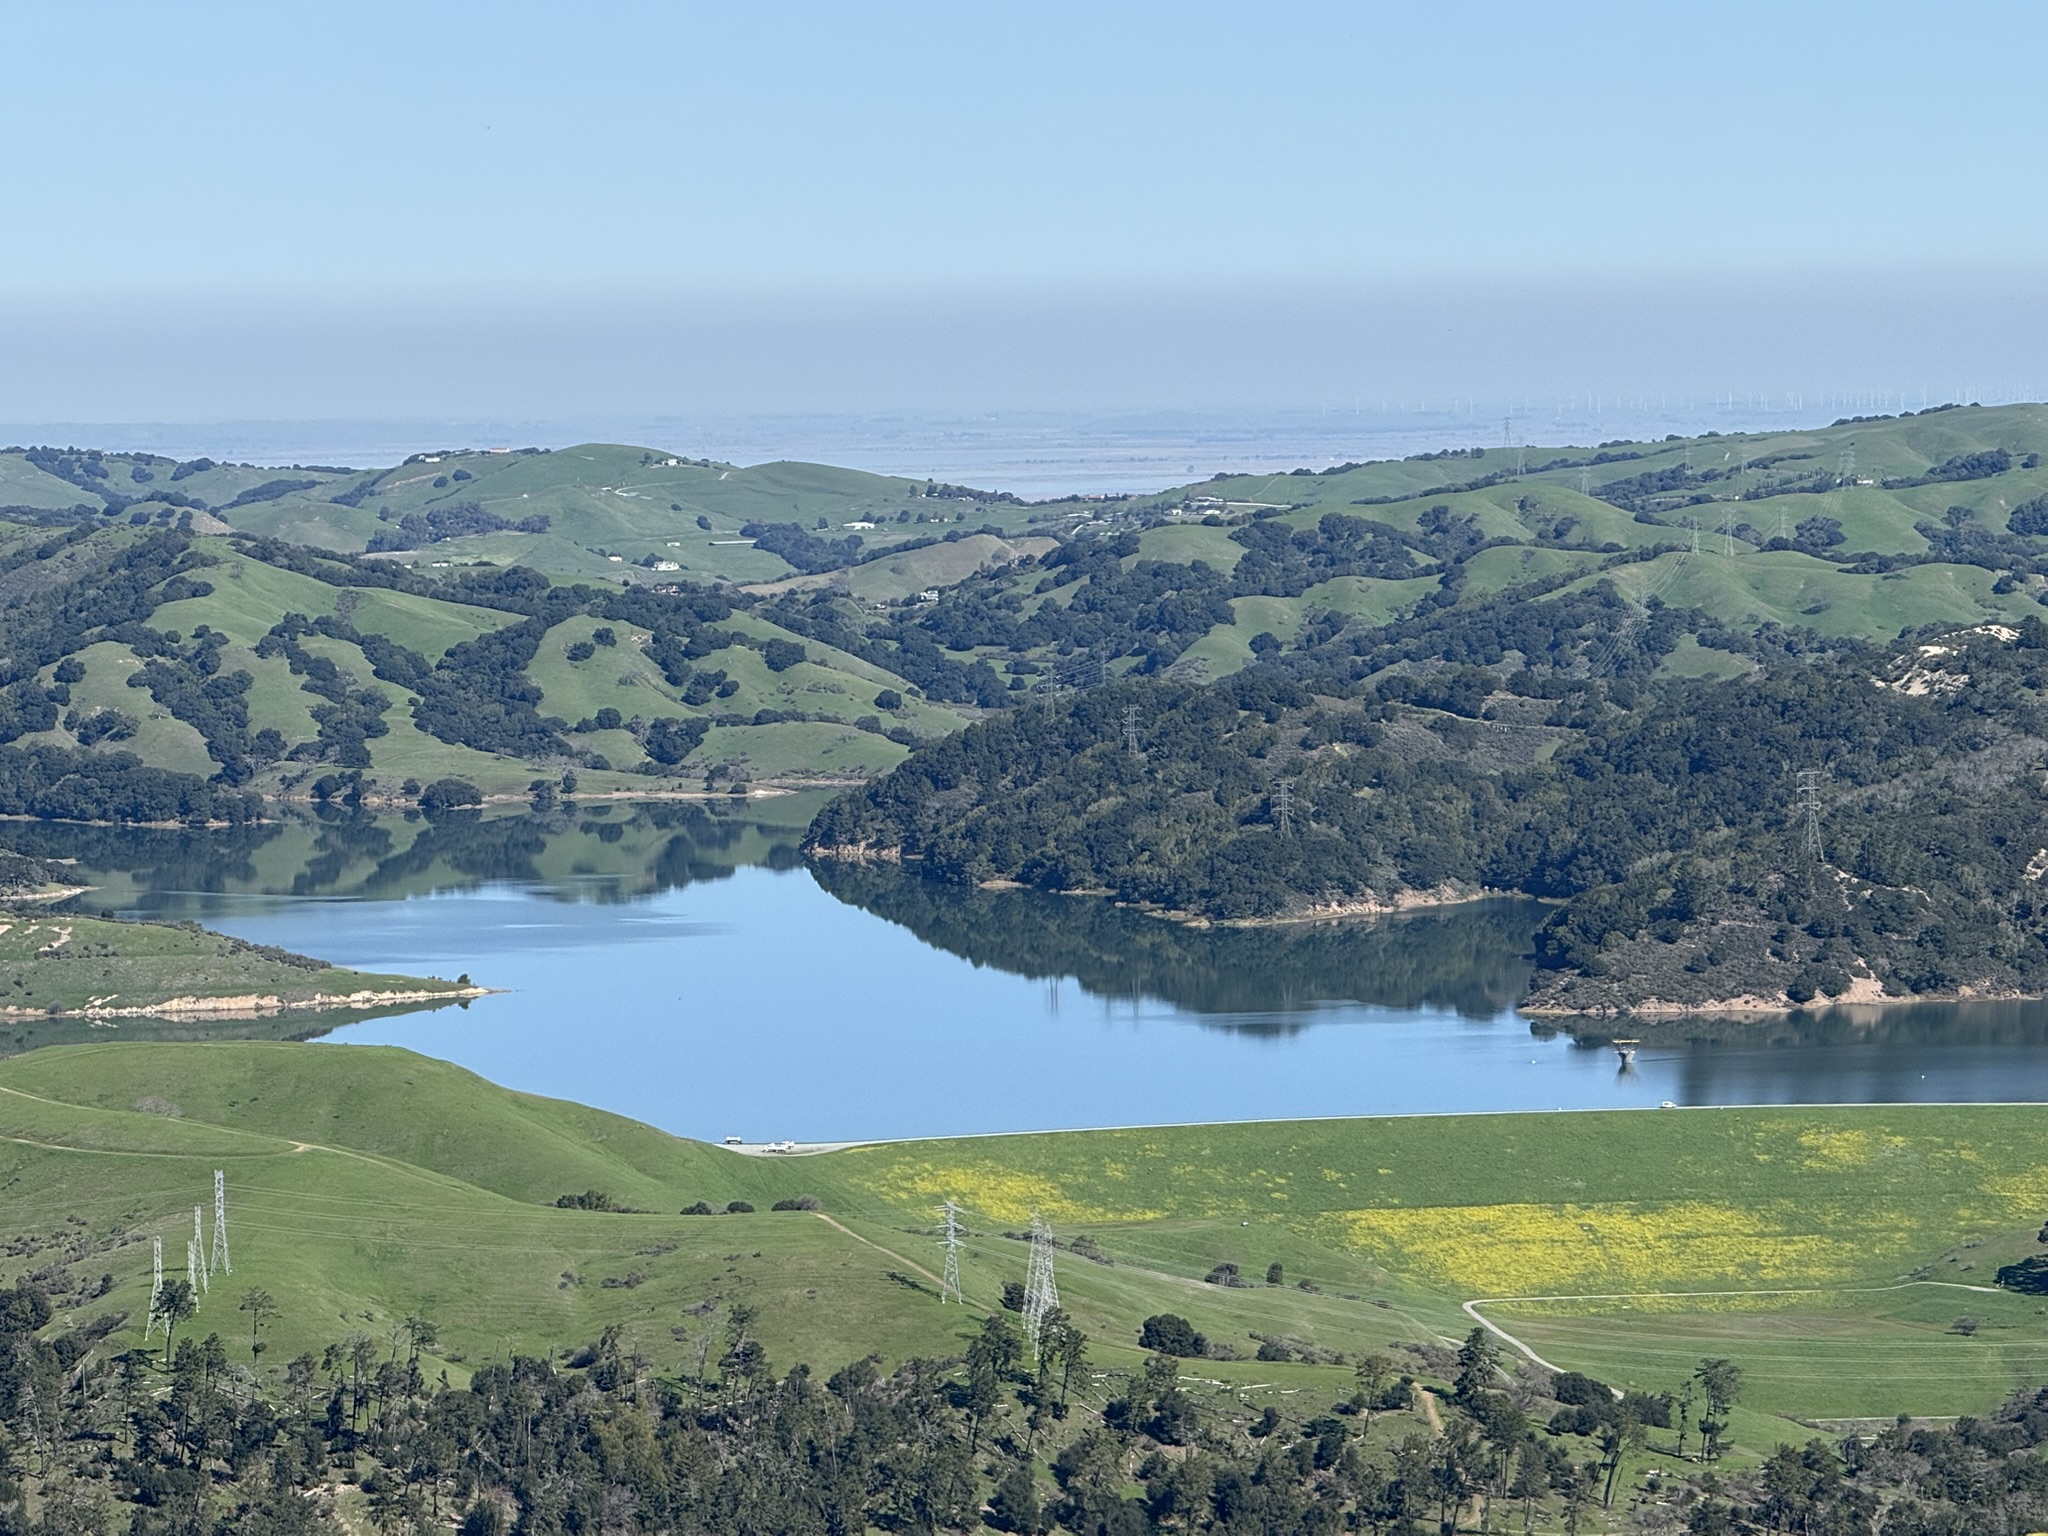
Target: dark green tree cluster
x=1664 y=815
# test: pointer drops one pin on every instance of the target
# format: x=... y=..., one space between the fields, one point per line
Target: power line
x=950 y=1286
x=31 y=1407
x=1809 y=805
x=219 y=1258
x=1041 y=1292
x=156 y=1291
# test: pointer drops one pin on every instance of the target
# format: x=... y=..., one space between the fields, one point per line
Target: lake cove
x=674 y=963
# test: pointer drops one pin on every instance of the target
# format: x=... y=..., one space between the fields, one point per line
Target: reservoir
x=677 y=963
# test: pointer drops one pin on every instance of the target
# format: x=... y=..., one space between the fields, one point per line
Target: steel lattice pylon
x=1041 y=1291
x=219 y=1258
x=950 y=1287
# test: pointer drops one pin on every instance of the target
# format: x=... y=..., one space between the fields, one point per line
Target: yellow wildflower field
x=1611 y=1248
x=989 y=1189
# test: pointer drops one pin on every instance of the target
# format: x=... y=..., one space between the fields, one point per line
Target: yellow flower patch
x=990 y=1189
x=2025 y=1193
x=1527 y=1250
x=1835 y=1149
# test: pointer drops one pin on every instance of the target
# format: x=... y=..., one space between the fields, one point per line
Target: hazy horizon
x=691 y=211
x=1036 y=455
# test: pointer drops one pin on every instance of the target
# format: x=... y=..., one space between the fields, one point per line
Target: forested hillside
x=1664 y=815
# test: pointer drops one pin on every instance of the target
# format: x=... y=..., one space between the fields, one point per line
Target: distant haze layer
x=1545 y=350
x=1034 y=454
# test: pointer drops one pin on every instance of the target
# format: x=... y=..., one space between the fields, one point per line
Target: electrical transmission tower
x=1694 y=524
x=195 y=1274
x=1809 y=806
x=156 y=1292
x=950 y=1287
x=1041 y=1293
x=1585 y=482
x=196 y=1255
x=219 y=1258
x=1283 y=807
x=31 y=1406
x=1131 y=730
x=1845 y=467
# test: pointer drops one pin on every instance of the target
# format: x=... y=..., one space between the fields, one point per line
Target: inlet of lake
x=677 y=962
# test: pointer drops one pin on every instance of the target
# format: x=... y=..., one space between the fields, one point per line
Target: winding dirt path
x=1471 y=1308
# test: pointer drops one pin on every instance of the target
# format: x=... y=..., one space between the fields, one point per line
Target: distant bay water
x=1036 y=455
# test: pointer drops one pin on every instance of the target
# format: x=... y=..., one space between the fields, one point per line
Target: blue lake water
x=682 y=972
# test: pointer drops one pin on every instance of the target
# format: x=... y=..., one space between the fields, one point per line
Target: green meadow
x=1833 y=1253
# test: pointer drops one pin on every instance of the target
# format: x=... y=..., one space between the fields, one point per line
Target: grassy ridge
x=371 y=1180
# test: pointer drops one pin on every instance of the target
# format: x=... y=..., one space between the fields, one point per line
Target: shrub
x=1579 y=1390
x=781 y=655
x=589 y=1200
x=888 y=698
x=669 y=740
x=2028 y=1276
x=2030 y=517
x=447 y=794
x=701 y=1208
x=69 y=670
x=104 y=725
x=800 y=1203
x=1013 y=1296
x=1168 y=1333
x=1014 y=1504
x=582 y=650
x=738 y=1208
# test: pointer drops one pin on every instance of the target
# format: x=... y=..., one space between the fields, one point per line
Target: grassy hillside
x=350 y=1168
x=273 y=669
x=942 y=601
x=1855 y=531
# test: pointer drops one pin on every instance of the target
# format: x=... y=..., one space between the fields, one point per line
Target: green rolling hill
x=349 y=1167
x=646 y=620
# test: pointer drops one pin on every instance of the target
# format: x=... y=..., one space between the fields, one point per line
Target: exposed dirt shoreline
x=1759 y=1007
x=251 y=1005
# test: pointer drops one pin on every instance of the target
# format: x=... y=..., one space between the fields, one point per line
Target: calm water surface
x=671 y=964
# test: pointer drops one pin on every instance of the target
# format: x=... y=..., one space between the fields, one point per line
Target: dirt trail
x=892 y=1253
x=1436 y=1420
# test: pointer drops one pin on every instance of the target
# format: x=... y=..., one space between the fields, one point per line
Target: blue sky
x=816 y=177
